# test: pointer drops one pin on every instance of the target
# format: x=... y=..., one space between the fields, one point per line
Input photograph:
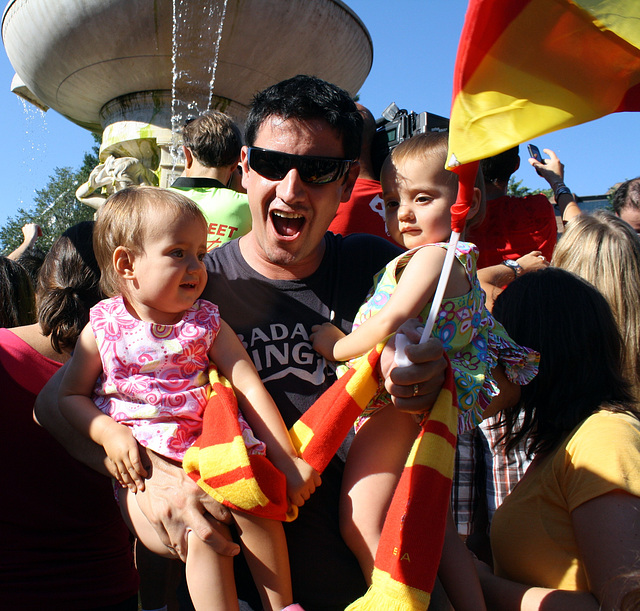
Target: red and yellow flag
x=220 y=464
x=529 y=67
x=411 y=541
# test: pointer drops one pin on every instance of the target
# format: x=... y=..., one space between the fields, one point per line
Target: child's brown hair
x=122 y=221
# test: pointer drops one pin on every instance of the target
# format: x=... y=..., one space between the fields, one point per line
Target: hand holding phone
x=534 y=152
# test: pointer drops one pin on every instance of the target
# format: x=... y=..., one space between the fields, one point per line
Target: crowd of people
x=167 y=350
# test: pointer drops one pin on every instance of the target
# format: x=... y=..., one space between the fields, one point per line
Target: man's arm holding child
x=171 y=501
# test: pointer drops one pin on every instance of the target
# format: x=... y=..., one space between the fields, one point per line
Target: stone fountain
x=134 y=69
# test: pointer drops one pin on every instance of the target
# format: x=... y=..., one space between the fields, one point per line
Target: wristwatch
x=513 y=265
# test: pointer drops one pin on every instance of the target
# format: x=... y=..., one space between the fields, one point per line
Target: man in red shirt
x=364 y=212
x=513 y=226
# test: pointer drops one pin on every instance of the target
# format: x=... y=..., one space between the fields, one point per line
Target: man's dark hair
x=627 y=195
x=213 y=139
x=304 y=98
x=500 y=167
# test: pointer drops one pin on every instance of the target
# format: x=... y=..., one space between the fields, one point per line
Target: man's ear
x=244 y=163
x=350 y=181
x=475 y=204
x=123 y=262
x=188 y=157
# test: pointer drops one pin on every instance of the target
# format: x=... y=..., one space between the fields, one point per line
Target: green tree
x=55 y=208
x=516 y=189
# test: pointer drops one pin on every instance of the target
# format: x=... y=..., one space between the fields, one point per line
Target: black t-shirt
x=273 y=319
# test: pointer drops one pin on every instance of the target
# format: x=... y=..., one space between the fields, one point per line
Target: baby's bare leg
x=139 y=525
x=265 y=549
x=209 y=575
x=153 y=558
x=374 y=465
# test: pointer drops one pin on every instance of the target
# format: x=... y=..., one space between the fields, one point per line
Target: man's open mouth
x=287 y=224
x=188 y=285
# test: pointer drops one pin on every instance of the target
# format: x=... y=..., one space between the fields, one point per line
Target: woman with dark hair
x=63 y=544
x=568 y=532
x=17 y=299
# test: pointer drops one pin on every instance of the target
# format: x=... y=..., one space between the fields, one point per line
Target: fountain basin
x=81 y=57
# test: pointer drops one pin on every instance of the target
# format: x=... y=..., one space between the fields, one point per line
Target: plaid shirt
x=503 y=470
x=468 y=476
x=483 y=474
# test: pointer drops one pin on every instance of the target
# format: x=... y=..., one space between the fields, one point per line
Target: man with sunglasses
x=287 y=274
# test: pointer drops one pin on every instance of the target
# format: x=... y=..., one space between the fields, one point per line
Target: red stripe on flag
x=484 y=23
x=229 y=477
x=441 y=429
x=414 y=553
x=631 y=100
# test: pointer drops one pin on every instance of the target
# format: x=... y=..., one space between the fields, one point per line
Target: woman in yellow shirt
x=568 y=536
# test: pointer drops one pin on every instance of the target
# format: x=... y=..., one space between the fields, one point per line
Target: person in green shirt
x=211 y=145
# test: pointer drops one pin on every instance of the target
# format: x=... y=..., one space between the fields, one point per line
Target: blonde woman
x=604 y=250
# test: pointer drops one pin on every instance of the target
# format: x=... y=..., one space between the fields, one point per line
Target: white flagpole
x=401 y=339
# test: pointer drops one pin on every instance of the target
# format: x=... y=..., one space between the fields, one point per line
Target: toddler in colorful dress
x=418 y=194
x=139 y=376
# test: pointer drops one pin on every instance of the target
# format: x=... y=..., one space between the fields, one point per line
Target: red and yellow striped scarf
x=410 y=546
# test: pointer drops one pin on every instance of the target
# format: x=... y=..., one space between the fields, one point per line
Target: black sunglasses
x=275 y=165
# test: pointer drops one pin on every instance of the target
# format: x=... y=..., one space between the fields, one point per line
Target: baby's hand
x=302 y=481
x=123 y=451
x=324 y=337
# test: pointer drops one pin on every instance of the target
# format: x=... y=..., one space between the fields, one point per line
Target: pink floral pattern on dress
x=154 y=376
x=113 y=323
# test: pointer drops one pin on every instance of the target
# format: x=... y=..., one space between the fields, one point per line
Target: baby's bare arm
x=78 y=408
x=262 y=414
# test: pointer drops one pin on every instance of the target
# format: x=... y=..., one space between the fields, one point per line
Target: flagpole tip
x=453 y=161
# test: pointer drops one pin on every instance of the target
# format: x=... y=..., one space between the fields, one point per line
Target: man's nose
x=291 y=188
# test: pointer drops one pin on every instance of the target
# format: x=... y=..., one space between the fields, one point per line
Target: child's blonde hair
x=433 y=146
x=123 y=220
x=605 y=251
x=427 y=146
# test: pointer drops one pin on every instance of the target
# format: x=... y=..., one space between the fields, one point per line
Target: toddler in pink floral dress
x=138 y=375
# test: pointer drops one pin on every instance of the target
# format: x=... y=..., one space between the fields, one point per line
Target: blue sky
x=415 y=43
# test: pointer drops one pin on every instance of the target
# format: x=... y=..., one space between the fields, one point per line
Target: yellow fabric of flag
x=529 y=67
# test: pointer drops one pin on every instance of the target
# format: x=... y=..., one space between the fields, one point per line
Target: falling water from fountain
x=190 y=94
x=34 y=149
x=216 y=53
x=36 y=124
